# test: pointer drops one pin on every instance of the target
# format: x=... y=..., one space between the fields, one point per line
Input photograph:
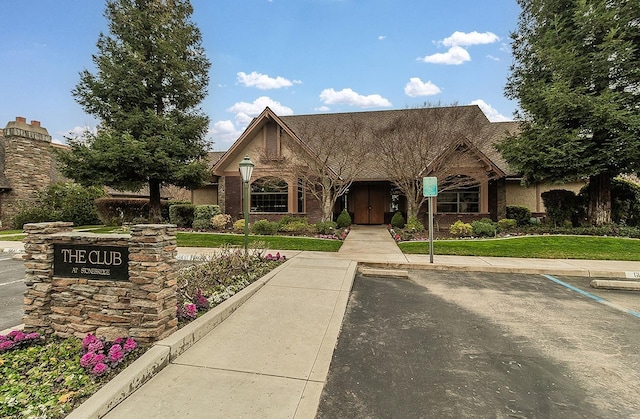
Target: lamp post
x=246 y=168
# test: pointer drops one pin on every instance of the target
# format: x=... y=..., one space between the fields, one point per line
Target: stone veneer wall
x=144 y=307
x=29 y=164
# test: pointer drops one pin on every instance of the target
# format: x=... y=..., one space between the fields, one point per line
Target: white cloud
x=382 y=38
x=455 y=56
x=462 y=39
x=493 y=58
x=492 y=114
x=76 y=133
x=254 y=109
x=349 y=97
x=223 y=133
x=417 y=87
x=263 y=81
x=322 y=109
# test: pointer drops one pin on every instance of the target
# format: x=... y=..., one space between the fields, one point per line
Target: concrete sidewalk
x=269 y=358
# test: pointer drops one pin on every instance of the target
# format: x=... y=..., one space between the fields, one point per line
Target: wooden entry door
x=369 y=203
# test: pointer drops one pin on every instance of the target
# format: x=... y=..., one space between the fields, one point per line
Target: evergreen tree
x=576 y=75
x=151 y=75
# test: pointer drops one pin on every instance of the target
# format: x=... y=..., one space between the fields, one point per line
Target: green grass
x=550 y=247
x=3 y=232
x=271 y=242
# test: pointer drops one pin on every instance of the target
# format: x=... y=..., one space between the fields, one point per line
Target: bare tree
x=329 y=160
x=433 y=141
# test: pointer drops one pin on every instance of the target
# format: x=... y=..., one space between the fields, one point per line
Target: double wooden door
x=368 y=203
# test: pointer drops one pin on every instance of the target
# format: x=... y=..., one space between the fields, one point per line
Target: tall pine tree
x=576 y=75
x=151 y=75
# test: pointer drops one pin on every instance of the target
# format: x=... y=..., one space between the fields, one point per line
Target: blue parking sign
x=430 y=186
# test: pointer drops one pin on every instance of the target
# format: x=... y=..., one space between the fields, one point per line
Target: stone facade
x=144 y=307
x=27 y=165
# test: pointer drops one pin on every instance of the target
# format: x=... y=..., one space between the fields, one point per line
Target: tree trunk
x=155 y=209
x=327 y=201
x=599 y=212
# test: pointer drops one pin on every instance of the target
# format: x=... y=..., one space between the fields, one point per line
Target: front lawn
x=550 y=247
x=270 y=242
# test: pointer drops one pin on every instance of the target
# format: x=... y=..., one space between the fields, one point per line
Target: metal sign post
x=430 y=190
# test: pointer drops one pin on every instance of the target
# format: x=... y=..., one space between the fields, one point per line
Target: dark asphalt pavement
x=459 y=345
x=12 y=288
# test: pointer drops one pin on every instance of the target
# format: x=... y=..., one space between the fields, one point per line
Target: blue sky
x=295 y=56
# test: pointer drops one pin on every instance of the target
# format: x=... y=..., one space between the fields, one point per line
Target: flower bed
x=47 y=378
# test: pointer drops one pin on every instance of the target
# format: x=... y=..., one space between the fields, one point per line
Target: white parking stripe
x=12 y=282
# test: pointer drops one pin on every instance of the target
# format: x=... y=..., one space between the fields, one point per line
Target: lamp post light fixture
x=246 y=168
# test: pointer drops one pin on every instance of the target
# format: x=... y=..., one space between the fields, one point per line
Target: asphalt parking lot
x=12 y=288
x=453 y=344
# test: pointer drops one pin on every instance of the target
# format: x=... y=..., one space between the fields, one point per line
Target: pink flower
x=190 y=311
x=88 y=360
x=88 y=340
x=100 y=358
x=18 y=336
x=33 y=335
x=99 y=369
x=115 y=353
x=7 y=344
x=130 y=345
x=95 y=346
x=3 y=338
x=118 y=341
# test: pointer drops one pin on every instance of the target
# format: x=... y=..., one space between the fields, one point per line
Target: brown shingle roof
x=458 y=116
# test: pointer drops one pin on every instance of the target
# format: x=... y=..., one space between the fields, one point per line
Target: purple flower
x=100 y=358
x=200 y=301
x=3 y=338
x=190 y=311
x=115 y=353
x=88 y=340
x=18 y=336
x=33 y=335
x=118 y=341
x=99 y=369
x=12 y=334
x=7 y=344
x=130 y=345
x=88 y=360
x=95 y=346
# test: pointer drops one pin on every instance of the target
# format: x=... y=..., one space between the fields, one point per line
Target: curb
x=162 y=353
x=498 y=269
x=615 y=285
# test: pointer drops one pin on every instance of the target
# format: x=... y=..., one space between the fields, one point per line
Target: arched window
x=269 y=194
x=464 y=197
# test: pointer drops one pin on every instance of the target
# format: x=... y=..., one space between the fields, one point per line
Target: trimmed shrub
x=561 y=206
x=167 y=204
x=483 y=228
x=522 y=215
x=220 y=221
x=506 y=224
x=414 y=225
x=202 y=215
x=461 y=229
x=264 y=227
x=181 y=215
x=397 y=221
x=344 y=219
x=326 y=227
x=238 y=226
x=297 y=226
